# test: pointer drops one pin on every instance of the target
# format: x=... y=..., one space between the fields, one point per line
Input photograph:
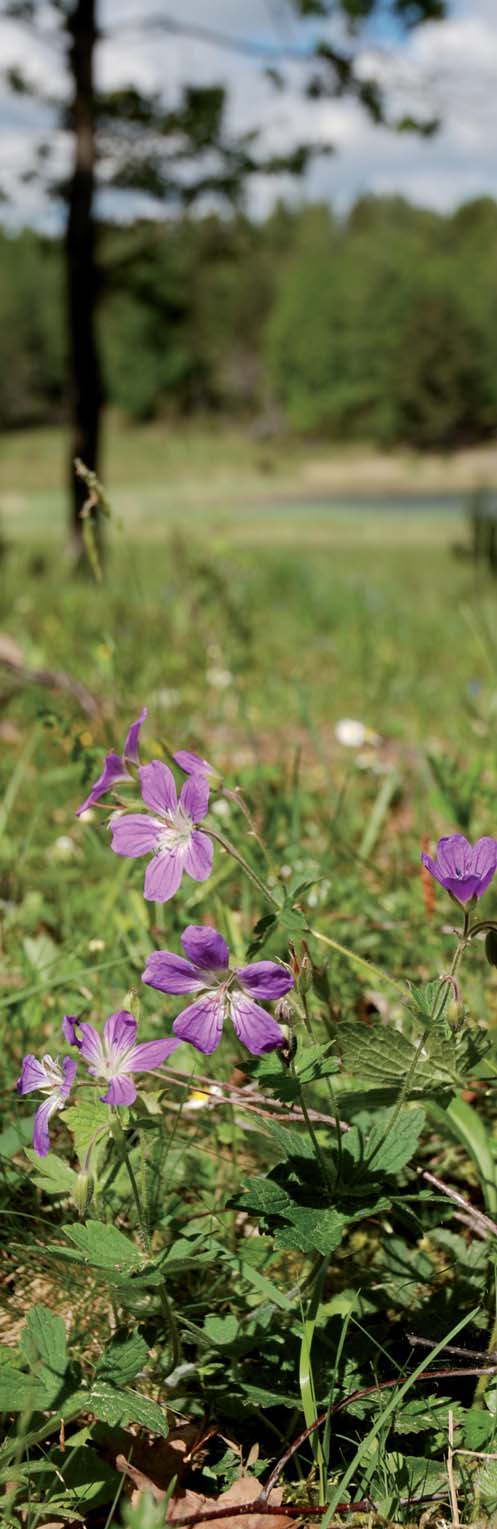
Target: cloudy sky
x=448 y=68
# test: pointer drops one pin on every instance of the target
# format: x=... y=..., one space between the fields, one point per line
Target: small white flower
x=353 y=734
x=220 y=679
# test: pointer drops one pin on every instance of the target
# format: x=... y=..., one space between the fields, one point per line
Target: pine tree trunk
x=81 y=268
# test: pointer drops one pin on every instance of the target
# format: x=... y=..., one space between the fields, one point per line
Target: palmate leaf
x=123 y=1358
x=395 y=1152
x=105 y=1247
x=120 y=1407
x=383 y=1057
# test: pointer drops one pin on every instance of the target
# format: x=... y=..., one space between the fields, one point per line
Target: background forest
x=381 y=325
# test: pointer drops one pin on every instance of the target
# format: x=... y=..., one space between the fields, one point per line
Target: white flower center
x=53 y=1073
x=177 y=832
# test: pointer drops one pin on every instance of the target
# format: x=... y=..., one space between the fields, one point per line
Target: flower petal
x=433 y=868
x=32 y=1075
x=114 y=769
x=69 y=1068
x=151 y=1054
x=194 y=798
x=158 y=787
x=265 y=979
x=41 y=1139
x=163 y=876
x=120 y=1091
x=199 y=856
x=192 y=764
x=202 y=1023
x=171 y=974
x=91 y=1045
x=119 y=1031
x=454 y=855
x=256 y=1029
x=134 y=834
x=130 y=750
x=484 y=858
x=70 y=1024
x=205 y=947
x=463 y=888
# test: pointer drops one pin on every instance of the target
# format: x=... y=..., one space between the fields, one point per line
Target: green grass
x=249 y=620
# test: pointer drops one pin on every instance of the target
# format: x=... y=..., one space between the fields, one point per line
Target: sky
x=447 y=69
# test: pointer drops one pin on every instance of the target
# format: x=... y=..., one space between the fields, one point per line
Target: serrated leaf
x=423 y=998
x=123 y=1358
x=88 y=1121
x=118 y=1408
x=43 y=1339
x=52 y=1173
x=392 y=1154
x=22 y=1393
x=424 y=1414
x=384 y=1057
x=104 y=1246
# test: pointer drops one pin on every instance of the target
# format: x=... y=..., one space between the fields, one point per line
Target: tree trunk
x=85 y=384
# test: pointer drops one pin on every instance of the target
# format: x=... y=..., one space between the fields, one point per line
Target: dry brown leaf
x=245 y=1490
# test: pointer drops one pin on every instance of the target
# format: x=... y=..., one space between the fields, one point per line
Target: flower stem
x=235 y=855
x=317 y=1149
x=167 y=1310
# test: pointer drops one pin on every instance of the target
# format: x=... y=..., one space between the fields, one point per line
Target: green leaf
x=104 y=1246
x=52 y=1173
x=399 y=1146
x=44 y=1338
x=22 y=1393
x=222 y=1331
x=118 y=1408
x=384 y=1057
x=423 y=999
x=424 y=1414
x=479 y=1428
x=88 y=1121
x=124 y=1356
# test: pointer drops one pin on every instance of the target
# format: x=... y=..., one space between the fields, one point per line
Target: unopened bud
x=305 y=979
x=83 y=1192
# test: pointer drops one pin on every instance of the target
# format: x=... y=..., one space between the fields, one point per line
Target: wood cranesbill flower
x=171 y=836
x=464 y=870
x=115 y=766
x=53 y=1079
x=114 y=1056
x=224 y=992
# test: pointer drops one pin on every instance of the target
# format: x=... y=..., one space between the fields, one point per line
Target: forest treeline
x=380 y=326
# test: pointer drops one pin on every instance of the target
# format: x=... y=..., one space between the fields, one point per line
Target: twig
x=480 y=1221
x=304 y=1510
x=54 y=679
x=450 y=1474
x=355 y=1396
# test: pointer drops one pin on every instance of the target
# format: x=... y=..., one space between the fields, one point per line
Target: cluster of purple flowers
x=169 y=832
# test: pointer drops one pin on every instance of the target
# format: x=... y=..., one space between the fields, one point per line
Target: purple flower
x=464 y=870
x=115 y=765
x=52 y=1079
x=171 y=836
x=222 y=991
x=113 y=1057
x=192 y=764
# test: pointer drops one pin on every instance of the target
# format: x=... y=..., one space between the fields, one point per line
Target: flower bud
x=83 y=1193
x=305 y=978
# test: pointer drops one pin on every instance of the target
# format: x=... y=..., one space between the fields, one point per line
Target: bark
x=85 y=385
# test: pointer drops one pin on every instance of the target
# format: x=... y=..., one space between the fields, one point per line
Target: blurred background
x=248 y=277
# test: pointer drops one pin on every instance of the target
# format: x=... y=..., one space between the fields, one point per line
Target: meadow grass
x=249 y=628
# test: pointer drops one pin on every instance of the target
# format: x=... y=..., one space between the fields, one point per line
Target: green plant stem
x=167 y=1310
x=315 y=1144
x=240 y=859
x=437 y=1012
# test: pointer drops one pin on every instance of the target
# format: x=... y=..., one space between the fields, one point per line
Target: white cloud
x=449 y=67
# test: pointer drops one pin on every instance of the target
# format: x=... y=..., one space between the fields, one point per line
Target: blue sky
x=448 y=68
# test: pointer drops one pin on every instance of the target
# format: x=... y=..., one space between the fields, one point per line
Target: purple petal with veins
x=202 y=1023
x=158 y=787
x=163 y=876
x=205 y=947
x=265 y=979
x=131 y=745
x=199 y=856
x=134 y=834
x=194 y=797
x=172 y=974
x=121 y=1090
x=257 y=1030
